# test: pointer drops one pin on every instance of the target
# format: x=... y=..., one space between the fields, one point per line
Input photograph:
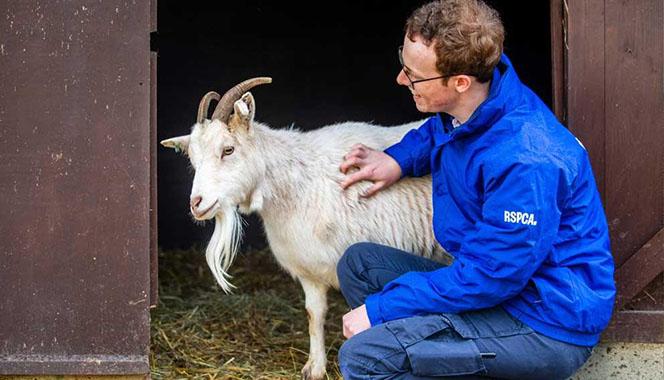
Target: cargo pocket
x=486 y=323
x=435 y=348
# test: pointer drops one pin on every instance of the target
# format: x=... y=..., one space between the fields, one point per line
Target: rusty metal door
x=609 y=66
x=75 y=168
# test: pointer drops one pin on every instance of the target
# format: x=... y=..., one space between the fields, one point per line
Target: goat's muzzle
x=194 y=205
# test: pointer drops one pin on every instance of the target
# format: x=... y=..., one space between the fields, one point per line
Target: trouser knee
x=349 y=366
x=351 y=263
x=351 y=271
x=344 y=359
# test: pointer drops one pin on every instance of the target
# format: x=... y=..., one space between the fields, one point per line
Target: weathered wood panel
x=637 y=272
x=585 y=81
x=615 y=105
x=154 y=236
x=74 y=236
x=634 y=123
x=635 y=326
x=635 y=162
x=651 y=298
x=558 y=20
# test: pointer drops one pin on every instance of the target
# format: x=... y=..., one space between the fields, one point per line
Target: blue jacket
x=515 y=202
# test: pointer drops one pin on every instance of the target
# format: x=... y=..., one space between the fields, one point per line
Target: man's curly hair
x=467 y=36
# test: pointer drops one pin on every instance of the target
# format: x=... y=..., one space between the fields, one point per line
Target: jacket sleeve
x=413 y=152
x=519 y=222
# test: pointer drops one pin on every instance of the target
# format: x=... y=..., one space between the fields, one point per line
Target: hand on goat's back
x=374 y=165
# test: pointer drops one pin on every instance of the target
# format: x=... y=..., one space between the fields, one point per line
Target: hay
x=258 y=332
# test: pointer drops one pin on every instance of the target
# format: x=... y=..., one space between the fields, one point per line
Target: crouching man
x=515 y=203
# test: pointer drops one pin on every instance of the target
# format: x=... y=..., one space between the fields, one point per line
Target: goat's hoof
x=310 y=371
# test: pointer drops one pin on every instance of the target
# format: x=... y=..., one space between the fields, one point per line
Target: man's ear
x=461 y=83
x=180 y=143
x=243 y=112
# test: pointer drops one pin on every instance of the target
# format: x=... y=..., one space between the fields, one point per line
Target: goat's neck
x=286 y=157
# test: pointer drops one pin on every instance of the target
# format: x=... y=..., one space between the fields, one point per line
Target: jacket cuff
x=373 y=309
x=402 y=156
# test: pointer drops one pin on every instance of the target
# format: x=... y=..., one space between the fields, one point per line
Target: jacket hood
x=505 y=93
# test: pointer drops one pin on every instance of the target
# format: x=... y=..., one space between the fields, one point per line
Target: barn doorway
x=330 y=62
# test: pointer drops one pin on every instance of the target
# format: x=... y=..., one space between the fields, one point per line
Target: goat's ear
x=243 y=112
x=180 y=143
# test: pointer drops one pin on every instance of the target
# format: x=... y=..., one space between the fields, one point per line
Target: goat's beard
x=224 y=244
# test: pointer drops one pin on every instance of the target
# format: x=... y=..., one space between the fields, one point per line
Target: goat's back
x=345 y=135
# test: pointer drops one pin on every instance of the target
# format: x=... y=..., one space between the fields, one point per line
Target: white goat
x=291 y=179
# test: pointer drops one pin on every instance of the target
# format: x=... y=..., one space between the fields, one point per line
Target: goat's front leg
x=315 y=298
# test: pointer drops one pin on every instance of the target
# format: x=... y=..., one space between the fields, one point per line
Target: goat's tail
x=223 y=246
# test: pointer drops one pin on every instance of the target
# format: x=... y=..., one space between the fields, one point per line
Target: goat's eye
x=227 y=151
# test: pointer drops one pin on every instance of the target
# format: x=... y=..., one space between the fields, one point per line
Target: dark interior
x=330 y=62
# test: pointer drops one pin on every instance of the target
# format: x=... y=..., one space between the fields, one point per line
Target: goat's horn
x=204 y=105
x=225 y=106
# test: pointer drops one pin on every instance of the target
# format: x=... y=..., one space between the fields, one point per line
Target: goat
x=291 y=179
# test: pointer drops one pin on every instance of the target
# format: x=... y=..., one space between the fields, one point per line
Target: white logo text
x=520 y=218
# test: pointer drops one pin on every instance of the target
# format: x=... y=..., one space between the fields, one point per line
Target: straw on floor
x=258 y=332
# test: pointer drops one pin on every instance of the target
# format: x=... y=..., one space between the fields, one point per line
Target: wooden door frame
x=75 y=112
x=578 y=101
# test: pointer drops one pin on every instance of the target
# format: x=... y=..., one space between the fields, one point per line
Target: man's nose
x=402 y=79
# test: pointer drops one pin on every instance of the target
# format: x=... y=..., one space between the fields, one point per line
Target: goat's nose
x=195 y=202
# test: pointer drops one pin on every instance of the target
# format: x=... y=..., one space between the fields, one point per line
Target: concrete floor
x=609 y=361
x=624 y=361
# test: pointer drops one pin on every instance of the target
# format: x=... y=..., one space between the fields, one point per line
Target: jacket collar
x=504 y=94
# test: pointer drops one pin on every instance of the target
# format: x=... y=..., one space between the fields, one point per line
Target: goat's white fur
x=291 y=179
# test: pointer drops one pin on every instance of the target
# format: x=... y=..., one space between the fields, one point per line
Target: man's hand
x=356 y=321
x=375 y=166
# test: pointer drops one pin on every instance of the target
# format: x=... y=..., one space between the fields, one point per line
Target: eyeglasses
x=412 y=82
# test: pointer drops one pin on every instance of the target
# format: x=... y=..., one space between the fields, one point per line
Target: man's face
x=420 y=63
